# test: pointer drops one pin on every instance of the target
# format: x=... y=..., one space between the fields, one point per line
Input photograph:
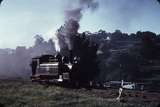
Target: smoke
x=69 y=30
x=1 y=1
x=89 y=4
x=15 y=63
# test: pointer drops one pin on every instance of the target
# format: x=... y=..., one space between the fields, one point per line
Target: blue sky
x=21 y=20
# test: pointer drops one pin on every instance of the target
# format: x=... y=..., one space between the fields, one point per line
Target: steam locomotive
x=60 y=70
x=50 y=68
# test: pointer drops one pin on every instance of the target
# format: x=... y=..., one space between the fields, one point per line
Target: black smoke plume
x=1 y=1
x=73 y=16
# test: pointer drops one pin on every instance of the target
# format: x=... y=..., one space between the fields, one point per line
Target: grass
x=26 y=94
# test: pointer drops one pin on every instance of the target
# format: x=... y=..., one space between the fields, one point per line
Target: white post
x=120 y=91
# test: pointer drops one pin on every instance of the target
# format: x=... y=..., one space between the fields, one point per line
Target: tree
x=129 y=66
x=148 y=50
x=39 y=40
x=88 y=65
x=117 y=35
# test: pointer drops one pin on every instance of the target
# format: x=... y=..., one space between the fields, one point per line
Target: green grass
x=27 y=94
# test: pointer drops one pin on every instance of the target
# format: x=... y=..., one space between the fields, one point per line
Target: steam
x=69 y=30
x=15 y=63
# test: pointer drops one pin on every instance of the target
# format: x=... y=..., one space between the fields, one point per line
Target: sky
x=21 y=20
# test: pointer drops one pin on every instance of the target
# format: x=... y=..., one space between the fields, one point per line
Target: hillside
x=132 y=57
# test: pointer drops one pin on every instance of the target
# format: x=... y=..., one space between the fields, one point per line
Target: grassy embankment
x=26 y=94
